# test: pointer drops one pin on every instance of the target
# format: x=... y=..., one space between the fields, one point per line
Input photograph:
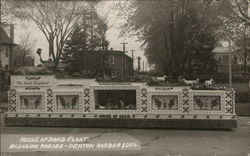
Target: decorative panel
x=115 y=99
x=12 y=100
x=230 y=102
x=86 y=103
x=31 y=102
x=186 y=106
x=49 y=100
x=68 y=102
x=144 y=100
x=165 y=102
x=208 y=102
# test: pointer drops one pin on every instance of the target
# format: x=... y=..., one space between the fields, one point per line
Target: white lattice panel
x=230 y=102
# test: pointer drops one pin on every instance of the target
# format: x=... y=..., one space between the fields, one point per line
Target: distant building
x=119 y=64
x=110 y=64
x=221 y=54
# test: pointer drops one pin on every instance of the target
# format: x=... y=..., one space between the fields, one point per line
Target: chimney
x=12 y=33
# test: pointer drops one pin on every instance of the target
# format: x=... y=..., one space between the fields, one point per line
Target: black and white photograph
x=125 y=77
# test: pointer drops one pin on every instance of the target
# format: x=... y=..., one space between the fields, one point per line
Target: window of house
x=6 y=67
x=248 y=60
x=220 y=59
x=235 y=59
x=111 y=59
x=6 y=52
x=239 y=60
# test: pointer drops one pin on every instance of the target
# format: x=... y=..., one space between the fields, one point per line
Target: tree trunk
x=23 y=60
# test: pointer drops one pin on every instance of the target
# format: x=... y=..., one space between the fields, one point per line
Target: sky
x=39 y=41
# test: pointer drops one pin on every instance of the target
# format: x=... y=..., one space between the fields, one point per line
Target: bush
x=223 y=78
x=242 y=97
x=3 y=97
x=33 y=71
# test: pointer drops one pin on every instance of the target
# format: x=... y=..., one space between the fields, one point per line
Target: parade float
x=44 y=100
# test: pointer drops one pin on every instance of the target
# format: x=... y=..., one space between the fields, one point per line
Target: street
x=156 y=142
x=125 y=65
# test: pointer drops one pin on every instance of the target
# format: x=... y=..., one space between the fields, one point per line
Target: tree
x=24 y=50
x=56 y=20
x=88 y=36
x=240 y=13
x=241 y=9
x=176 y=35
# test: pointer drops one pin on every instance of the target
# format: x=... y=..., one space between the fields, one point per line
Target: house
x=115 y=64
x=6 y=56
x=6 y=49
x=221 y=54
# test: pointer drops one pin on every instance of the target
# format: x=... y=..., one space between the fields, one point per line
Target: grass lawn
x=238 y=87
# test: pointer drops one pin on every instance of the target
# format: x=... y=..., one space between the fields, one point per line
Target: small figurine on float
x=191 y=82
x=101 y=107
x=209 y=83
x=122 y=104
x=109 y=105
x=160 y=79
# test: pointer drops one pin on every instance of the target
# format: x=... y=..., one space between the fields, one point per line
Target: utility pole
x=50 y=45
x=0 y=13
x=139 y=63
x=143 y=66
x=133 y=54
x=133 y=59
x=124 y=46
x=0 y=16
x=230 y=64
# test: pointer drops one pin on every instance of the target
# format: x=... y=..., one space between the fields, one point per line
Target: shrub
x=242 y=97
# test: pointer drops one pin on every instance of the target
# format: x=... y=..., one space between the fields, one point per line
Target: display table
x=42 y=100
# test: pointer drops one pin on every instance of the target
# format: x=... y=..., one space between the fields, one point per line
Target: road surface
x=155 y=142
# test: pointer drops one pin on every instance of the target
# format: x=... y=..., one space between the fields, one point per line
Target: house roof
x=111 y=52
x=4 y=38
x=221 y=50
